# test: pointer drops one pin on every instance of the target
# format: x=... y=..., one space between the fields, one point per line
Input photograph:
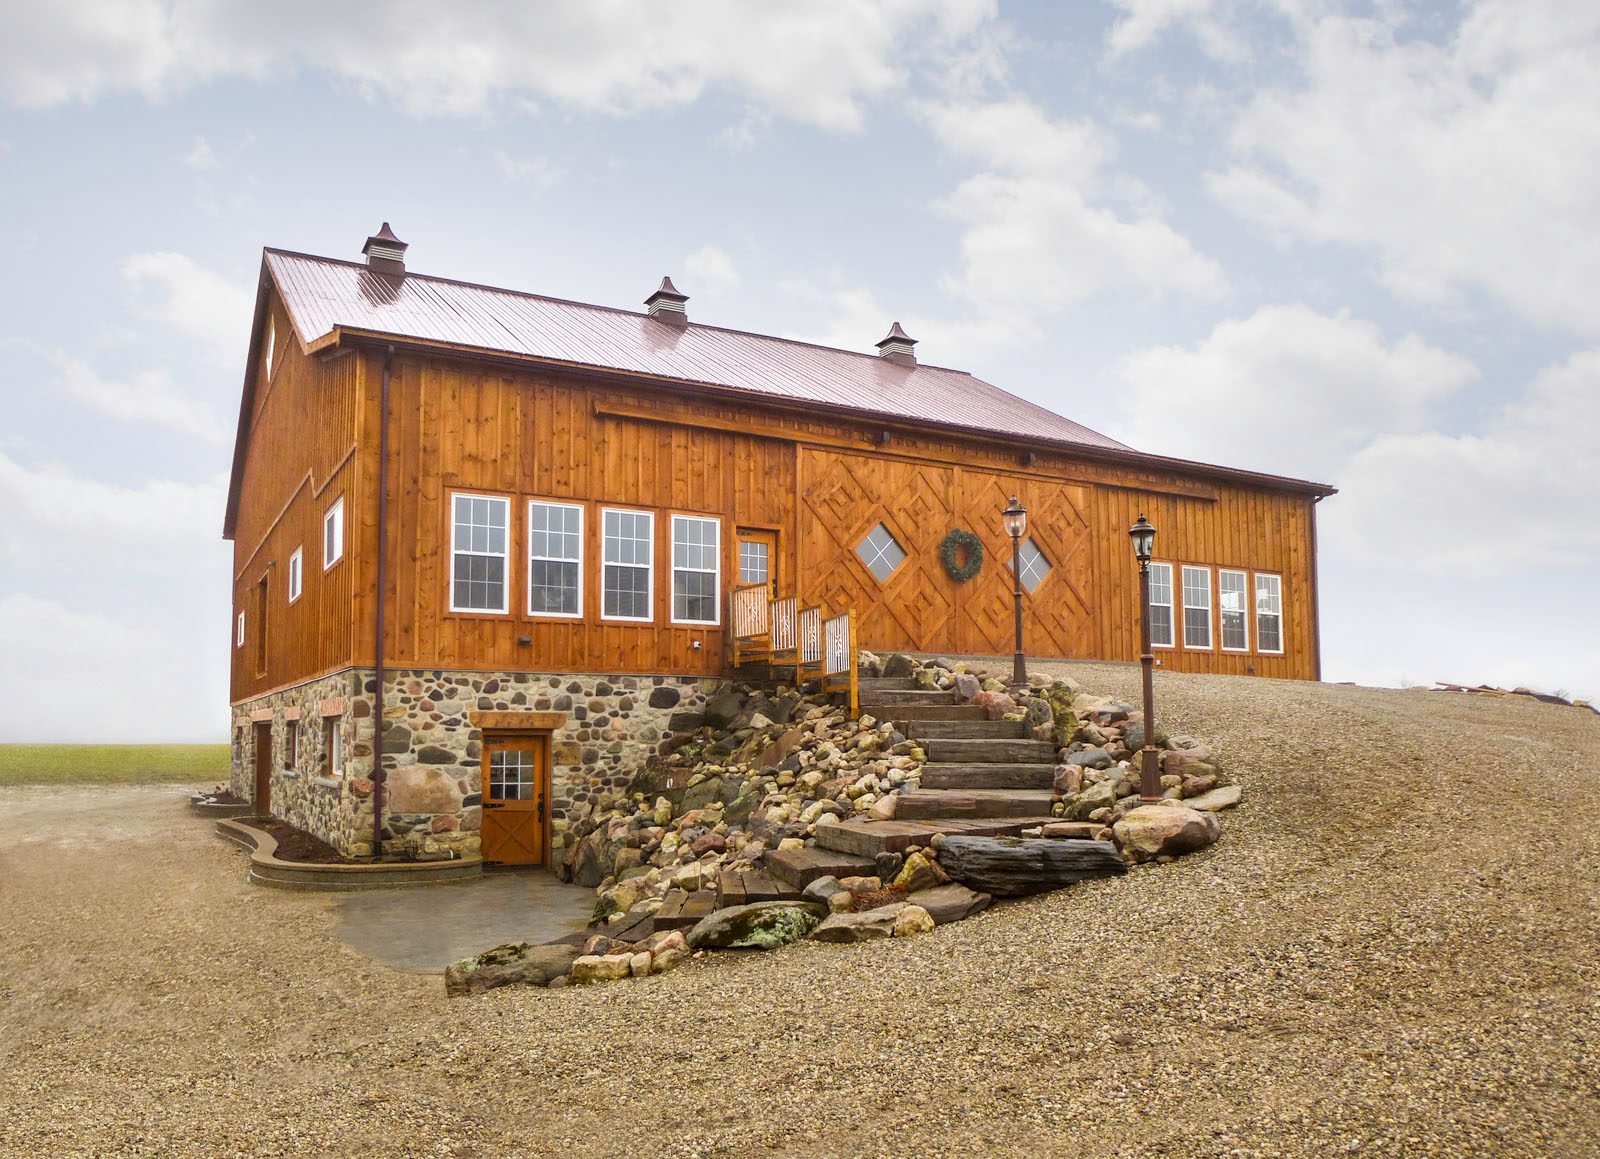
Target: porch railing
x=804 y=642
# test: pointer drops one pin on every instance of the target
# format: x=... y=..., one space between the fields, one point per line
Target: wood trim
x=518 y=720
x=316 y=492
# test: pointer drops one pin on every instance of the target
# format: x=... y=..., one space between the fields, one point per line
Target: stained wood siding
x=301 y=456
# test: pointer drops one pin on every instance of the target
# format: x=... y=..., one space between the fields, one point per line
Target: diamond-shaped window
x=880 y=552
x=1034 y=565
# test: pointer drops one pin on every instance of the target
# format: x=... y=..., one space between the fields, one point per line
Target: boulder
x=1077 y=830
x=995 y=705
x=762 y=925
x=1013 y=866
x=1152 y=831
x=859 y=927
x=952 y=902
x=601 y=968
x=1092 y=799
x=911 y=921
x=514 y=964
x=1039 y=713
x=1225 y=797
x=701 y=794
x=1095 y=758
x=1068 y=779
x=884 y=808
x=918 y=873
x=897 y=666
x=664 y=696
x=668 y=959
x=723 y=709
x=822 y=888
x=967 y=687
x=1187 y=763
x=422 y=789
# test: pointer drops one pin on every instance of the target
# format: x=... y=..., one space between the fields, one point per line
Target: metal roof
x=324 y=294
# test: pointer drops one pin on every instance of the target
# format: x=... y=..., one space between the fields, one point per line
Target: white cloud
x=1471 y=166
x=711 y=267
x=538 y=172
x=146 y=396
x=202 y=305
x=1045 y=225
x=815 y=63
x=1286 y=390
x=201 y=157
x=1145 y=20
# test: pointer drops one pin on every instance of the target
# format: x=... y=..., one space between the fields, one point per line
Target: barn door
x=516 y=790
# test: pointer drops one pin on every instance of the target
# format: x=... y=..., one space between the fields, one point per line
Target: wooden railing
x=801 y=641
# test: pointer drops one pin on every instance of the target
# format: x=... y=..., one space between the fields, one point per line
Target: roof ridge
x=629 y=313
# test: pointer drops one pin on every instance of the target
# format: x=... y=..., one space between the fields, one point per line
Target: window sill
x=290 y=775
x=328 y=783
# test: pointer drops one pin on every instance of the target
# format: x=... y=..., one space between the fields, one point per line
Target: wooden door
x=516 y=789
x=263 y=798
x=758 y=557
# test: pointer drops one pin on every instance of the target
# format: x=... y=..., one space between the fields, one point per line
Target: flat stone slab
x=951 y=902
x=1223 y=797
x=1014 y=866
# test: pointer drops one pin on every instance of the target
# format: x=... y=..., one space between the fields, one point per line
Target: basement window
x=1034 y=565
x=555 y=559
x=1269 y=613
x=881 y=554
x=333 y=745
x=696 y=577
x=1161 y=605
x=478 y=553
x=627 y=574
x=1197 y=607
x=1231 y=610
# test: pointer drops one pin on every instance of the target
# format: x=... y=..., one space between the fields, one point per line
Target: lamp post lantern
x=1015 y=519
x=1144 y=540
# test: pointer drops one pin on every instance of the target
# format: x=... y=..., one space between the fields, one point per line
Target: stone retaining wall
x=605 y=728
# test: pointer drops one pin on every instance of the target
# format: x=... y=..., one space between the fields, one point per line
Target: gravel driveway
x=1394 y=949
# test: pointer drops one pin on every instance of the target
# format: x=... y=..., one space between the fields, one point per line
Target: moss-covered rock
x=762 y=925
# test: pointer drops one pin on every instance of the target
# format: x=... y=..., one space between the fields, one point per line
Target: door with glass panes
x=516 y=792
x=758 y=557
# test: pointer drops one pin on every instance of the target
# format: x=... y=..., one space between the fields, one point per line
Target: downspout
x=379 y=773
x=1316 y=598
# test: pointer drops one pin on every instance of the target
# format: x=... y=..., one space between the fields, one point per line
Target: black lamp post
x=1144 y=542
x=1015 y=518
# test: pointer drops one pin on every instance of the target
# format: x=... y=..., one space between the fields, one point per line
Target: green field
x=203 y=765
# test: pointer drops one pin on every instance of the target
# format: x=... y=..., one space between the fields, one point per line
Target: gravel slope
x=1395 y=948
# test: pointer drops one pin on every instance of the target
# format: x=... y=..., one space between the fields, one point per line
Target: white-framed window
x=238 y=631
x=1034 y=565
x=333 y=534
x=1233 y=609
x=333 y=746
x=881 y=553
x=1161 y=605
x=696 y=569
x=627 y=569
x=296 y=573
x=555 y=559
x=479 y=553
x=272 y=345
x=755 y=561
x=1196 y=607
x=1269 y=613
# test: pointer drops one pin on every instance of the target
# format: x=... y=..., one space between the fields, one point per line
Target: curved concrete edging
x=202 y=806
x=269 y=870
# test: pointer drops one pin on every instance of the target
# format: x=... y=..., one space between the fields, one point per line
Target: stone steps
x=987 y=775
x=973 y=803
x=996 y=750
x=800 y=867
x=680 y=909
x=870 y=838
x=735 y=887
x=897 y=696
x=966 y=729
x=866 y=684
x=905 y=713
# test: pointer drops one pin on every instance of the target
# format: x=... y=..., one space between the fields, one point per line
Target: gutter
x=379 y=697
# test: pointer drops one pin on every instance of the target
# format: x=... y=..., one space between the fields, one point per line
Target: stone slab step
x=969 y=729
x=995 y=749
x=904 y=713
x=741 y=888
x=974 y=803
x=800 y=867
x=680 y=910
x=987 y=775
x=870 y=838
x=910 y=696
x=869 y=684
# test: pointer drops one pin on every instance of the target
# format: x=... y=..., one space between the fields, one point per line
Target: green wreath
x=950 y=551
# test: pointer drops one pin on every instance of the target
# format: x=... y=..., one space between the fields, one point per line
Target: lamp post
x=1144 y=541
x=1015 y=518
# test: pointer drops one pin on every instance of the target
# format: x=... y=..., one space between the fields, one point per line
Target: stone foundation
x=602 y=730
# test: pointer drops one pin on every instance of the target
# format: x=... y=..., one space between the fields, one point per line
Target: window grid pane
x=694 y=569
x=881 y=554
x=754 y=566
x=1231 y=611
x=555 y=559
x=1196 y=607
x=1161 y=605
x=478 y=566
x=512 y=775
x=625 y=572
x=1269 y=613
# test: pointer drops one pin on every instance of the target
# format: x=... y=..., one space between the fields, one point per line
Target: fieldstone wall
x=608 y=727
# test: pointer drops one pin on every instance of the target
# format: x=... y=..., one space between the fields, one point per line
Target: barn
x=489 y=544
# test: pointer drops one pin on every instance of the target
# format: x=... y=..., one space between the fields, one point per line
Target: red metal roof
x=323 y=294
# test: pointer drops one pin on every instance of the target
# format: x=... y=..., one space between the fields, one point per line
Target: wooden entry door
x=516 y=790
x=758 y=557
x=263 y=797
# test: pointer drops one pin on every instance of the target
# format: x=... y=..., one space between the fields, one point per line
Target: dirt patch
x=298 y=845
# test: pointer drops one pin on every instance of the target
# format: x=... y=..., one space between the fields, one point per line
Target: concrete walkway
x=424 y=930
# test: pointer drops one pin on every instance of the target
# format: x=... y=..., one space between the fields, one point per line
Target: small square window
x=1034 y=565
x=881 y=553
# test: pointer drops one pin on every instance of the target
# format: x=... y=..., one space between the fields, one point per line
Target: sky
x=1352 y=242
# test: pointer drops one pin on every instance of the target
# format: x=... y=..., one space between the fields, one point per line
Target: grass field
x=107 y=764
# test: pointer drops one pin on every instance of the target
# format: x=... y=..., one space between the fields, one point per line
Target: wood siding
x=819 y=482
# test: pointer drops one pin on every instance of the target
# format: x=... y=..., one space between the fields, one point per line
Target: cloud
x=538 y=172
x=1145 y=20
x=201 y=157
x=712 y=267
x=1466 y=167
x=205 y=307
x=1286 y=390
x=146 y=396
x=1045 y=225
x=813 y=63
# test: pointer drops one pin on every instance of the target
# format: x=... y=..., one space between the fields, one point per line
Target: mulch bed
x=298 y=845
